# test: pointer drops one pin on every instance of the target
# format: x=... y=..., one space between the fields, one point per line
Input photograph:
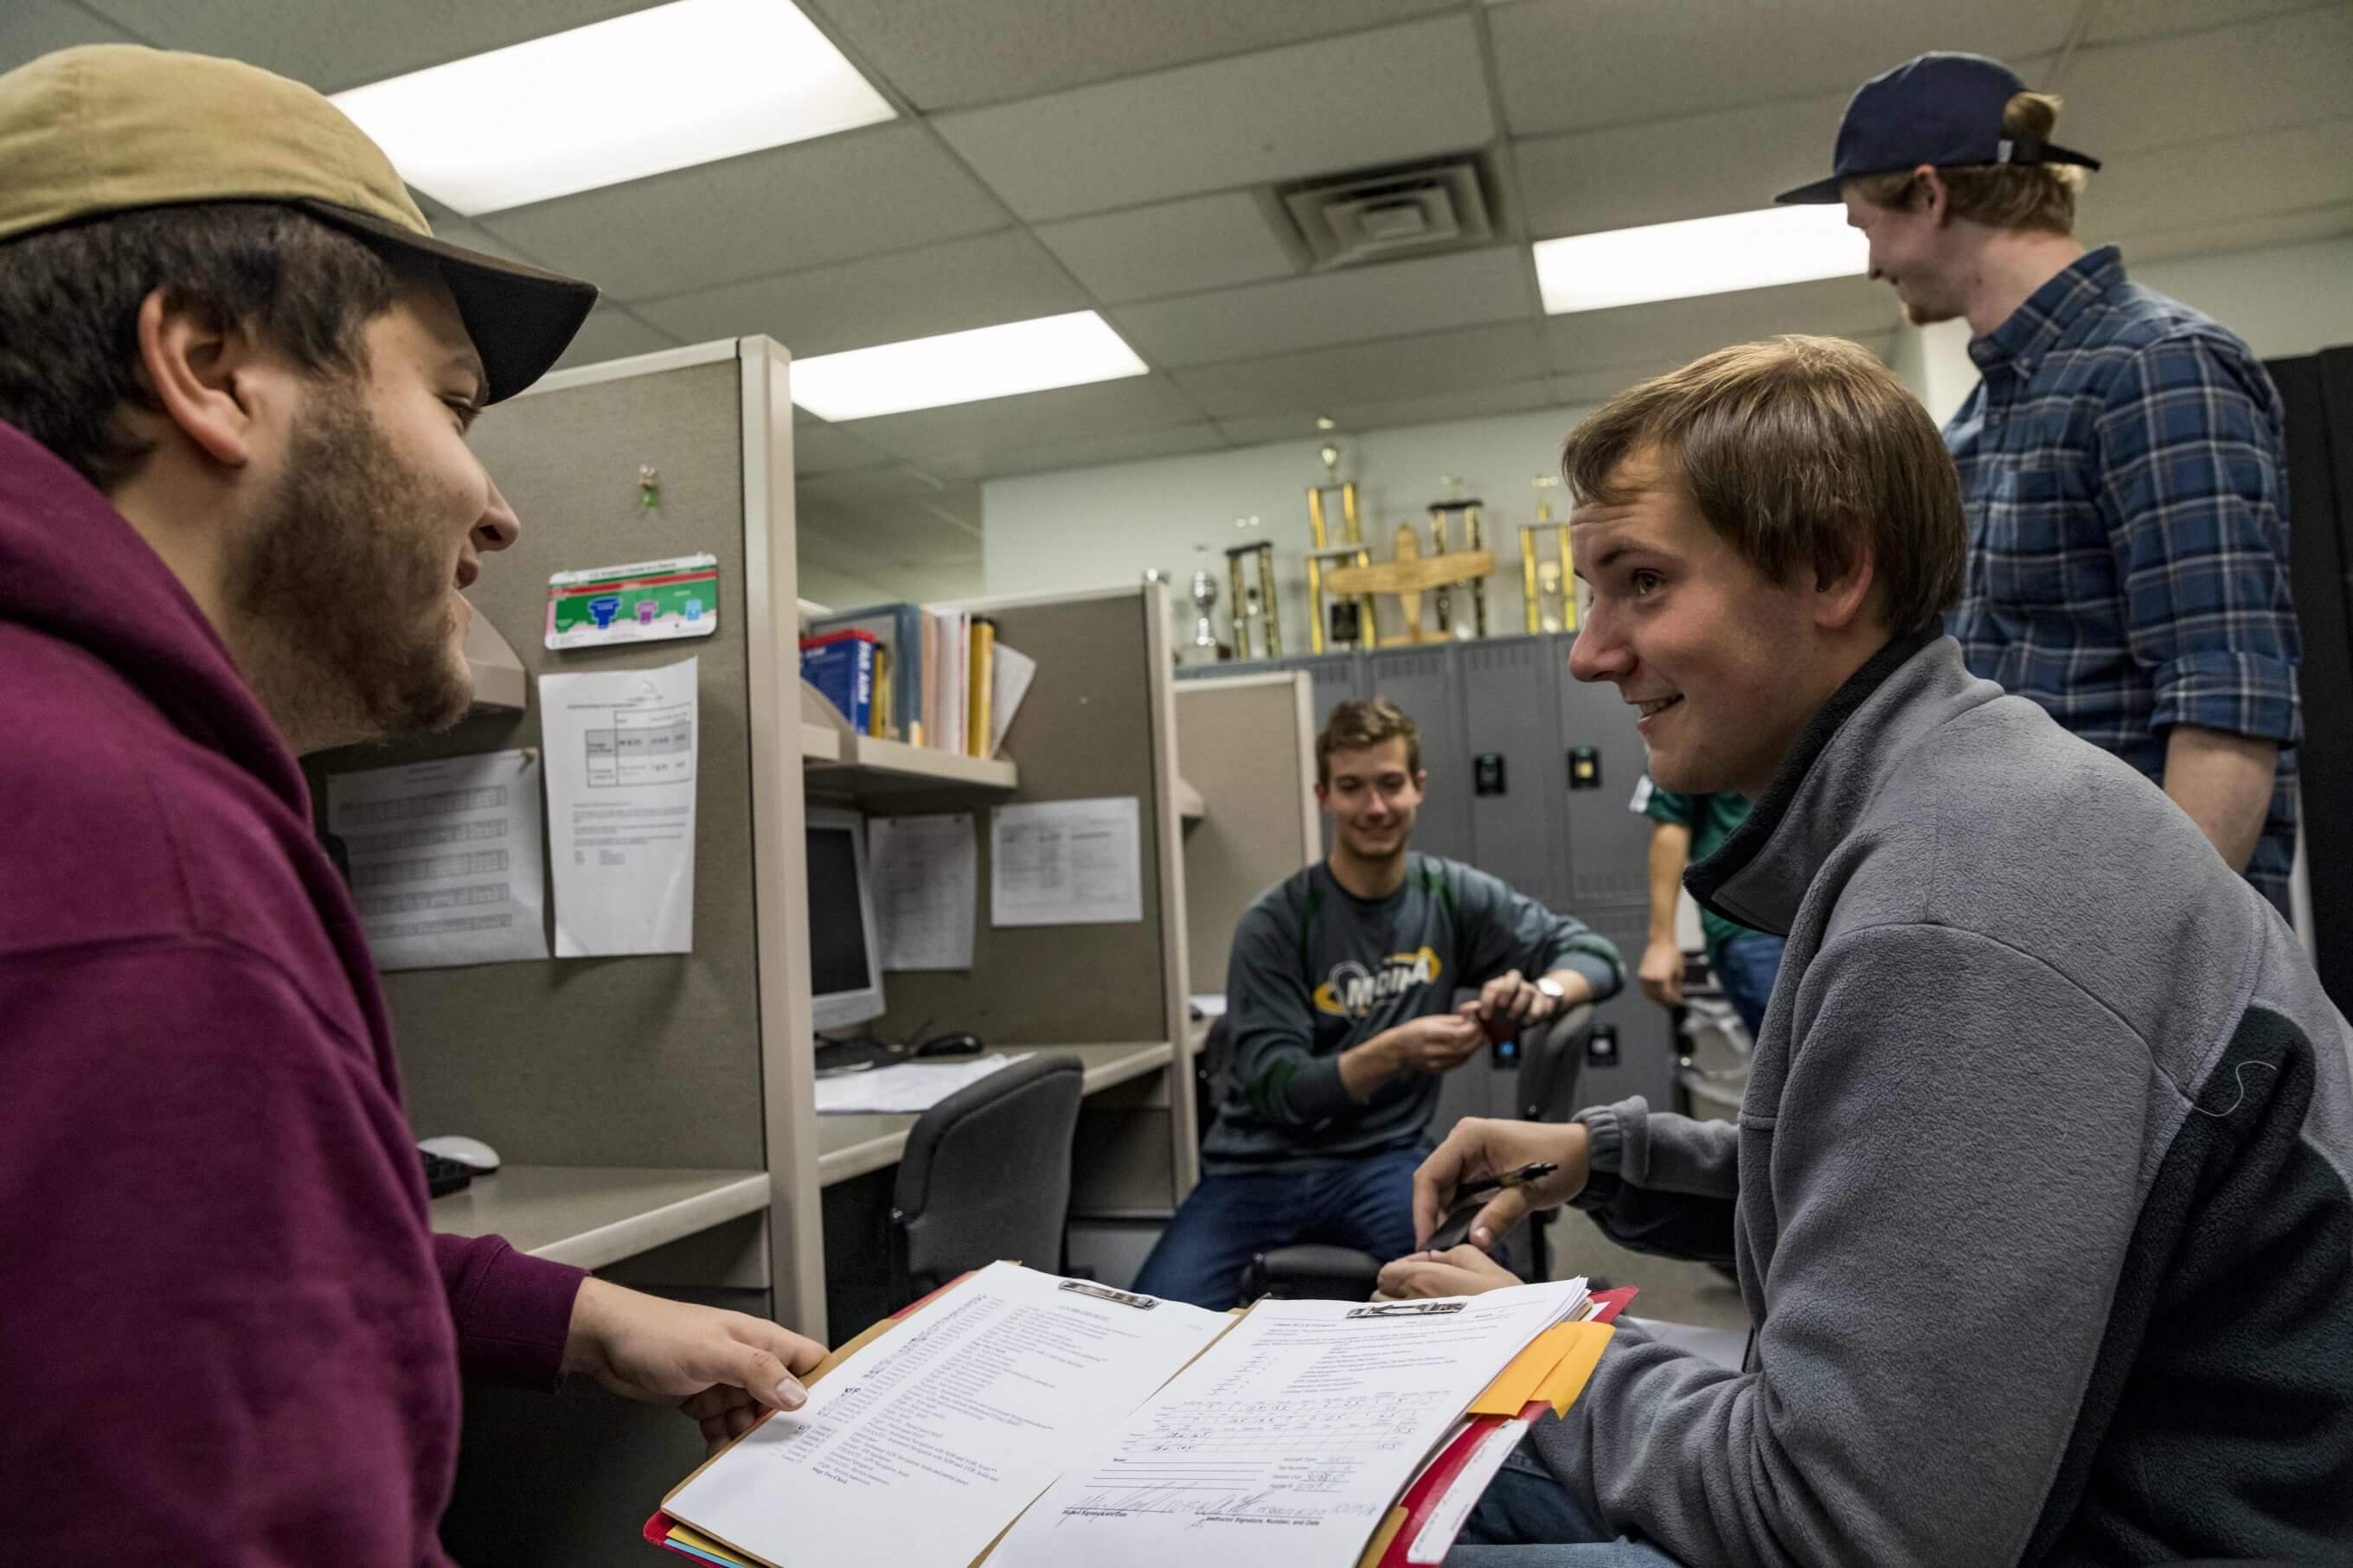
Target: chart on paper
x=444 y=860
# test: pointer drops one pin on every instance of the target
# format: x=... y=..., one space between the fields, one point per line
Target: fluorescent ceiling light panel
x=964 y=367
x=642 y=94
x=1702 y=256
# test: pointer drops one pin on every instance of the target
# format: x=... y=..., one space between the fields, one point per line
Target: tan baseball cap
x=111 y=128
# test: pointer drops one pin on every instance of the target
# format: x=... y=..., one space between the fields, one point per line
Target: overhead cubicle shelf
x=837 y=759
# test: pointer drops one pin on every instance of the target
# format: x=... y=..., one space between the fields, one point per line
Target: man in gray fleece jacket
x=2039 y=1196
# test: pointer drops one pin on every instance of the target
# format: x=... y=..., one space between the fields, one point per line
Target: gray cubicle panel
x=1247 y=745
x=1098 y=721
x=648 y=1060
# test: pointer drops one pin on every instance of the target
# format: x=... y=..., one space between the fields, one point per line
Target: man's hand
x=1663 y=971
x=1508 y=1003
x=724 y=1369
x=1463 y=1271
x=1479 y=1149
x=1439 y=1043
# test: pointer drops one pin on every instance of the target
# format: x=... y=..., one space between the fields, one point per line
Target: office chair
x=1547 y=1092
x=987 y=1175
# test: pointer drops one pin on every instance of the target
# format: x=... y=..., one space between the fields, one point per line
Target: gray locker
x=1645 y=1048
x=1337 y=677
x=1510 y=718
x=1425 y=682
x=1609 y=847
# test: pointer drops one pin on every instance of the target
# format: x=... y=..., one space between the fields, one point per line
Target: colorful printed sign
x=646 y=600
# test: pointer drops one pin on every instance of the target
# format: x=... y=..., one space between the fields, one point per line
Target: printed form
x=445 y=861
x=917 y=1448
x=620 y=750
x=1284 y=1445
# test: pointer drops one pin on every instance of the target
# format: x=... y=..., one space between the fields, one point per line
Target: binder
x=1440 y=1484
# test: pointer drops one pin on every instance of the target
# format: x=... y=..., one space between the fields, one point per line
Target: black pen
x=1520 y=1177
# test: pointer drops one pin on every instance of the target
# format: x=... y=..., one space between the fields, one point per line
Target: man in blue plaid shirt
x=2122 y=461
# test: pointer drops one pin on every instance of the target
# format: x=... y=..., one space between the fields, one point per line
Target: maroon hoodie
x=227 y=1333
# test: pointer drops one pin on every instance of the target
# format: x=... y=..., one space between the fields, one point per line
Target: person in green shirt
x=1689 y=828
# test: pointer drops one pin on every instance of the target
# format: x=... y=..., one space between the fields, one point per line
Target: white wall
x=1086 y=528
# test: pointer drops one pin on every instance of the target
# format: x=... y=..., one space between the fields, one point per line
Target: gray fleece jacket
x=2040 y=1192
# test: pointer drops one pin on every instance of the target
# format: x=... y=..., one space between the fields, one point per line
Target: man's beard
x=338 y=583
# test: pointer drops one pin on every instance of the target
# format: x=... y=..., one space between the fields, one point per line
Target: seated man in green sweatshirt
x=2039 y=1196
x=1340 y=1004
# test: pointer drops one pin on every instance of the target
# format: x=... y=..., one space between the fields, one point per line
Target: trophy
x=1206 y=648
x=1475 y=539
x=1350 y=619
x=1254 y=603
x=1543 y=582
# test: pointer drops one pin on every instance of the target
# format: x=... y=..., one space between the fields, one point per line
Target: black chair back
x=987 y=1174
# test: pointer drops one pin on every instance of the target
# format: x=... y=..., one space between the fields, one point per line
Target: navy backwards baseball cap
x=1942 y=110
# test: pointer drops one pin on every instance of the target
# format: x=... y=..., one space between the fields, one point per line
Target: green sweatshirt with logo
x=1316 y=970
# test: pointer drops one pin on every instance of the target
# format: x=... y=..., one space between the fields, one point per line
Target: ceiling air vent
x=1350 y=219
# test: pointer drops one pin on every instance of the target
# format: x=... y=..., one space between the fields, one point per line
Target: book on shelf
x=1022 y=1420
x=939 y=678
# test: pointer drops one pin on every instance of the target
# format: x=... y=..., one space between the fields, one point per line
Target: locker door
x=1642 y=1056
x=1511 y=713
x=1608 y=846
x=1424 y=682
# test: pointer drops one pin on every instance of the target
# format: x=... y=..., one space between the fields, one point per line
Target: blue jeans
x=1366 y=1203
x=1528 y=1520
x=1745 y=968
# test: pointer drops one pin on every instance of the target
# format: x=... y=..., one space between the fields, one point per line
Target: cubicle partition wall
x=1247 y=745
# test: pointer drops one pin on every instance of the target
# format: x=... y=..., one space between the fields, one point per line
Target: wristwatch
x=1552 y=988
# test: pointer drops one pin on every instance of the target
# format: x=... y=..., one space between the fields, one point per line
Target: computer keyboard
x=443 y=1176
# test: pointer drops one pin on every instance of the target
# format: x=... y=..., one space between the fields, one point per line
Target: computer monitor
x=844 y=960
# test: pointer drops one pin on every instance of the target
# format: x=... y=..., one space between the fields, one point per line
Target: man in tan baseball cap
x=237 y=511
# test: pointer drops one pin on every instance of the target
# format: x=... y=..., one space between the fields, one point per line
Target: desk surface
x=592 y=1216
x=853 y=1145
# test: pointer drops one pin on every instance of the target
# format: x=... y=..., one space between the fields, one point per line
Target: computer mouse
x=470 y=1152
x=950 y=1046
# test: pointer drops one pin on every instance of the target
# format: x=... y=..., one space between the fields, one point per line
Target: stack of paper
x=909 y=1089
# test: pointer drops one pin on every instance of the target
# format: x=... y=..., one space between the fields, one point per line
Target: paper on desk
x=1285 y=1444
x=925 y=872
x=918 y=1449
x=620 y=750
x=1066 y=862
x=1210 y=1004
x=908 y=1089
x=445 y=859
x=1009 y=683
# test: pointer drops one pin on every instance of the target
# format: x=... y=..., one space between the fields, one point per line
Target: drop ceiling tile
x=2250 y=177
x=1087 y=451
x=611 y=334
x=975 y=283
x=2260 y=76
x=1170 y=247
x=1625 y=176
x=959 y=442
x=2147 y=18
x=863 y=192
x=361 y=42
x=31 y=28
x=1429 y=294
x=1566 y=65
x=1363 y=372
x=946 y=53
x=2240 y=234
x=822 y=449
x=1353 y=419
x=1676 y=331
x=1366 y=99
